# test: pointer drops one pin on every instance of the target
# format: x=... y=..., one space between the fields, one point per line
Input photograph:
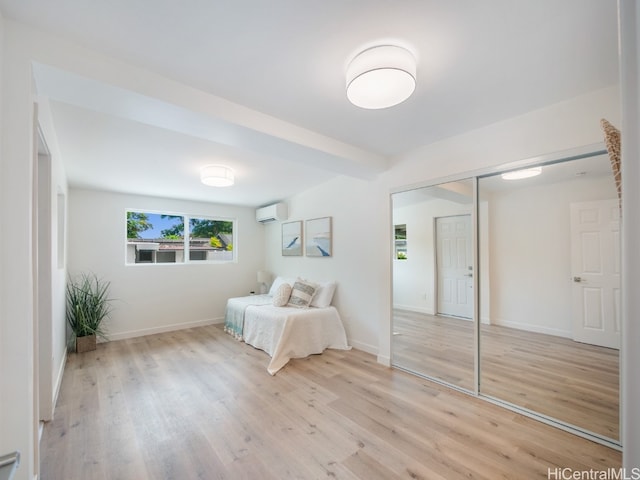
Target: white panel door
x=454 y=266
x=595 y=264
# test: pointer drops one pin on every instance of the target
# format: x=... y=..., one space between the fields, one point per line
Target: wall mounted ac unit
x=271 y=213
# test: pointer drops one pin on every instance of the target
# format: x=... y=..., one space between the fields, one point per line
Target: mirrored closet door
x=433 y=328
x=548 y=261
x=550 y=338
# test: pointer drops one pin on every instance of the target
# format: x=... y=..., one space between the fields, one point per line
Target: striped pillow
x=302 y=293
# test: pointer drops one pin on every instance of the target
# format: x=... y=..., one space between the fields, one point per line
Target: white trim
x=411 y=308
x=365 y=347
x=561 y=156
x=384 y=360
x=554 y=422
x=165 y=328
x=629 y=22
x=58 y=384
x=501 y=322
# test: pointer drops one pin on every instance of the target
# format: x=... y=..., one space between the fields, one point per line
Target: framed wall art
x=318 y=237
x=292 y=239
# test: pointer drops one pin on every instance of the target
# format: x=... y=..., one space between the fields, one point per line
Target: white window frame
x=186 y=238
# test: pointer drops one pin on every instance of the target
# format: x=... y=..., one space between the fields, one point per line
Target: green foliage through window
x=137 y=222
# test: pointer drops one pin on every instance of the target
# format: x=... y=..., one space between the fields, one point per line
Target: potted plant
x=88 y=305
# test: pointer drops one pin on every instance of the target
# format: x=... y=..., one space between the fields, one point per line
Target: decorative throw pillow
x=324 y=295
x=281 y=297
x=302 y=293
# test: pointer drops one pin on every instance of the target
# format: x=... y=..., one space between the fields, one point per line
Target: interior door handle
x=578 y=279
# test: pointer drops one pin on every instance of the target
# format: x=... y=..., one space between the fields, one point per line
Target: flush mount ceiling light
x=381 y=77
x=216 y=176
x=520 y=174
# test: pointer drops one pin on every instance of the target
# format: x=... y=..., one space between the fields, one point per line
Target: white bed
x=289 y=332
x=285 y=332
x=234 y=313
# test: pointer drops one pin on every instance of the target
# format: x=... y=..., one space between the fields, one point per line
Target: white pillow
x=324 y=294
x=302 y=293
x=279 y=281
x=282 y=295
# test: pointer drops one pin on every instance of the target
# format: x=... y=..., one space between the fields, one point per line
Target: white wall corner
x=364 y=347
x=384 y=360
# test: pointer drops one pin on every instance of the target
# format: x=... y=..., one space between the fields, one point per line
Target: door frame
x=44 y=277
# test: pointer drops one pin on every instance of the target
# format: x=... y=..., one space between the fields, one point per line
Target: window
x=401 y=242
x=210 y=239
x=170 y=238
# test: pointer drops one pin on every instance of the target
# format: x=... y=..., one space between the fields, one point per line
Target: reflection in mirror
x=549 y=334
x=433 y=329
x=400 y=242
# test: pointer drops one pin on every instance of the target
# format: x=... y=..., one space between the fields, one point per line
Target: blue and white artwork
x=292 y=238
x=318 y=234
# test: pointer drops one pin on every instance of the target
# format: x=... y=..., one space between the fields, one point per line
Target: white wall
x=558 y=127
x=17 y=416
x=360 y=224
x=530 y=251
x=3 y=321
x=158 y=297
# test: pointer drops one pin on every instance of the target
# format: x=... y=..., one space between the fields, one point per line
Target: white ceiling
x=478 y=62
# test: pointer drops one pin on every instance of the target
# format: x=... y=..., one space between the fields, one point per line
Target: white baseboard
x=412 y=308
x=165 y=328
x=533 y=328
x=56 y=387
x=384 y=360
x=365 y=347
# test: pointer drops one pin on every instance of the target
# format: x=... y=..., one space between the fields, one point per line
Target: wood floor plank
x=570 y=381
x=197 y=404
x=365 y=466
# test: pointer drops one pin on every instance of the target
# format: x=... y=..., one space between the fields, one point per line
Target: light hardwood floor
x=567 y=380
x=196 y=404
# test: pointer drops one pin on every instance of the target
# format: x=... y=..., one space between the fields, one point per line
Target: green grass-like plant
x=88 y=305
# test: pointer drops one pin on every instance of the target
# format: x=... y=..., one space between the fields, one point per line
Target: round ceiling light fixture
x=520 y=174
x=381 y=77
x=216 y=176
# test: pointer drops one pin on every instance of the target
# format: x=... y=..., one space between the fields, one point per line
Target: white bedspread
x=288 y=332
x=234 y=313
